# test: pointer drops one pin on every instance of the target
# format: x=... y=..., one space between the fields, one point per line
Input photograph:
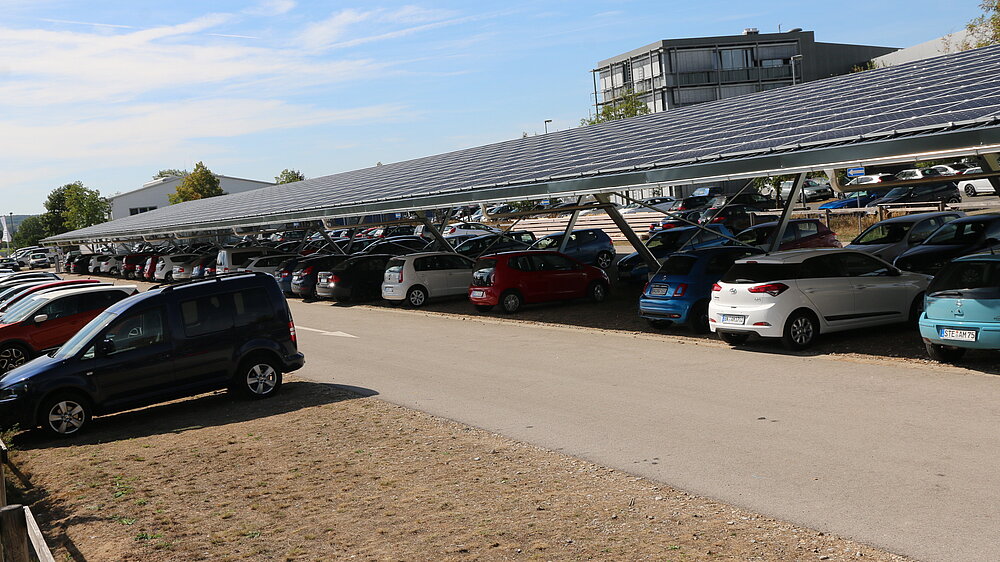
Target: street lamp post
x=794 y=59
x=546 y=125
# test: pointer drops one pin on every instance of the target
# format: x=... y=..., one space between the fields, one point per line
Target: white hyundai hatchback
x=796 y=295
x=414 y=278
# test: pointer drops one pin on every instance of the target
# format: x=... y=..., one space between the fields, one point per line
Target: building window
x=137 y=210
x=733 y=59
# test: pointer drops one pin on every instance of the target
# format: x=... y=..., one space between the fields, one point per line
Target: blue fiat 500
x=680 y=290
x=962 y=308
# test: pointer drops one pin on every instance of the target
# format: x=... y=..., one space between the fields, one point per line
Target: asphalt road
x=899 y=456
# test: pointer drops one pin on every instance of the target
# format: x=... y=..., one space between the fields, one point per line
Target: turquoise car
x=962 y=308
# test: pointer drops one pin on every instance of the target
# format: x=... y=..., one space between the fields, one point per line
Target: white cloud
x=271 y=8
x=322 y=34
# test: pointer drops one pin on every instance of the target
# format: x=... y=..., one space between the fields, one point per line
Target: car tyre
x=169 y=277
x=734 y=338
x=916 y=309
x=605 y=259
x=954 y=200
x=970 y=190
x=510 y=301
x=944 y=354
x=13 y=355
x=801 y=330
x=484 y=307
x=257 y=377
x=597 y=292
x=65 y=414
x=416 y=296
x=698 y=317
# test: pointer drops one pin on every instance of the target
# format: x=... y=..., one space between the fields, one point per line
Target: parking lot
x=845 y=441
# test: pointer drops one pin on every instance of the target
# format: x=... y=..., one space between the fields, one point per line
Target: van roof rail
x=213 y=279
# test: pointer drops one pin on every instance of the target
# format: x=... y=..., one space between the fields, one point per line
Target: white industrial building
x=153 y=194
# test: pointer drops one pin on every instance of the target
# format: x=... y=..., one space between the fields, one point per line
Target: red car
x=799 y=234
x=45 y=287
x=511 y=279
x=133 y=264
x=48 y=320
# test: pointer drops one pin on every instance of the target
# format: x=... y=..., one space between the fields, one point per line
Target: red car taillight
x=773 y=289
x=307 y=271
x=719 y=219
x=334 y=280
x=716 y=287
x=291 y=331
x=680 y=290
x=284 y=274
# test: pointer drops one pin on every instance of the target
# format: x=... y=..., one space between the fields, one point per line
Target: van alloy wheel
x=261 y=379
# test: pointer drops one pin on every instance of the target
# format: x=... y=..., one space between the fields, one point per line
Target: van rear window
x=760 y=272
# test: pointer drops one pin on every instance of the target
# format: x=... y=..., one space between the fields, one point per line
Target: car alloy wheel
x=800 y=331
x=416 y=296
x=604 y=260
x=511 y=302
x=65 y=415
x=597 y=292
x=11 y=356
x=262 y=379
x=969 y=190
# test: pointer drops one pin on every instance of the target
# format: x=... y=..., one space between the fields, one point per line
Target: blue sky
x=108 y=92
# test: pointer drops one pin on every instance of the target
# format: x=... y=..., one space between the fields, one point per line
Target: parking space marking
x=326 y=333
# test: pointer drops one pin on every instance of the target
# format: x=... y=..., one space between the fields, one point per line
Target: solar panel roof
x=951 y=102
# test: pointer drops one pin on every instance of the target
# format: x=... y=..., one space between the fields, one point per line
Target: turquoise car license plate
x=957 y=335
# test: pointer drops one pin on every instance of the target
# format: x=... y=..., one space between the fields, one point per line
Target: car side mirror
x=106 y=347
x=40 y=318
x=894 y=272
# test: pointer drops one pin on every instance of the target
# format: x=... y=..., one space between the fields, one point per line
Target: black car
x=306 y=271
x=358 y=278
x=234 y=332
x=494 y=243
x=959 y=237
x=735 y=217
x=10 y=264
x=925 y=193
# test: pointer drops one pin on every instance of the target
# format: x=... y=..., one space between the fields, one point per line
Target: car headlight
x=13 y=391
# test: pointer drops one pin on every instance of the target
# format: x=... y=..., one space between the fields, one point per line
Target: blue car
x=665 y=242
x=590 y=245
x=858 y=200
x=962 y=308
x=680 y=290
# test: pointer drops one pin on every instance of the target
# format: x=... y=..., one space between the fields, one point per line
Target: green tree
x=30 y=231
x=626 y=105
x=199 y=184
x=54 y=217
x=985 y=29
x=85 y=207
x=289 y=176
x=169 y=173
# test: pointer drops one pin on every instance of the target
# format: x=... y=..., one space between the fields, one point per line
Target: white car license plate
x=734 y=319
x=658 y=290
x=958 y=335
x=388 y=290
x=477 y=294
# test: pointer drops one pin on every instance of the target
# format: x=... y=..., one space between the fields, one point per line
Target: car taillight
x=180 y=270
x=225 y=269
x=716 y=287
x=307 y=270
x=680 y=290
x=666 y=226
x=718 y=219
x=291 y=331
x=284 y=274
x=773 y=289
x=334 y=280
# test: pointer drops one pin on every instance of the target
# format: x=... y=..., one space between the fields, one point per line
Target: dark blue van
x=233 y=331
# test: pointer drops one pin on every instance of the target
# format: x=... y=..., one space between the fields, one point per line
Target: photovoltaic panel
x=921 y=98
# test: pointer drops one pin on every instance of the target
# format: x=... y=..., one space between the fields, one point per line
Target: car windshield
x=760 y=272
x=548 y=242
x=669 y=238
x=754 y=236
x=19 y=311
x=883 y=234
x=897 y=192
x=908 y=175
x=83 y=337
x=957 y=233
x=979 y=279
x=677 y=265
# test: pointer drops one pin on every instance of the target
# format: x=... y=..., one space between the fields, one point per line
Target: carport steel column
x=786 y=213
x=429 y=227
x=630 y=234
x=569 y=229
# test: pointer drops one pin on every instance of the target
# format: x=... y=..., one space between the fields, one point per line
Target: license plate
x=658 y=290
x=388 y=290
x=734 y=319
x=478 y=294
x=958 y=335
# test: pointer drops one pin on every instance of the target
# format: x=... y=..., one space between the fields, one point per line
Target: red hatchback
x=799 y=234
x=47 y=320
x=511 y=279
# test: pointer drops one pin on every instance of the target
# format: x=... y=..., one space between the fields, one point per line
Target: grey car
x=891 y=237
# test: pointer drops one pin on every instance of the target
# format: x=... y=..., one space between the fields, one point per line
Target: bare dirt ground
x=319 y=473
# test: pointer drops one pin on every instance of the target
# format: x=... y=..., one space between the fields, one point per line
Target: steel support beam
x=786 y=213
x=429 y=227
x=568 y=231
x=647 y=257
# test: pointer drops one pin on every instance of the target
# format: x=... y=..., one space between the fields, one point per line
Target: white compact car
x=975 y=187
x=796 y=295
x=414 y=278
x=165 y=266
